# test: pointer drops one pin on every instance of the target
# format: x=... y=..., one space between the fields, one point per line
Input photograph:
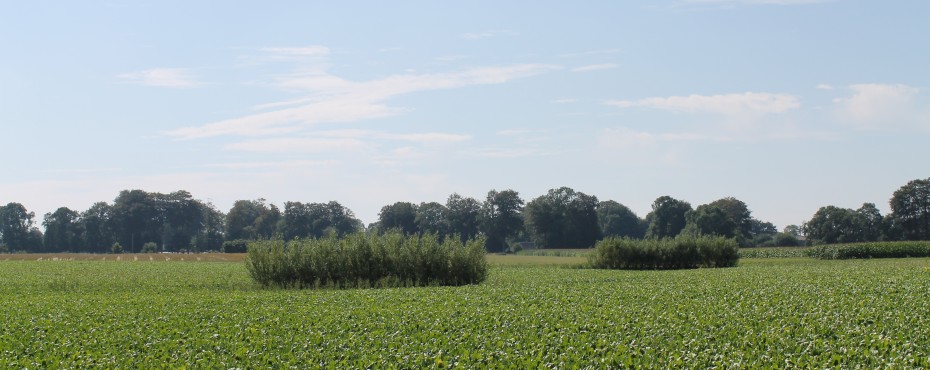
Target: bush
x=116 y=248
x=363 y=260
x=236 y=246
x=786 y=240
x=664 y=254
x=872 y=250
x=150 y=247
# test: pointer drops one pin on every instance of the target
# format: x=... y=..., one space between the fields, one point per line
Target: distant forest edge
x=140 y=221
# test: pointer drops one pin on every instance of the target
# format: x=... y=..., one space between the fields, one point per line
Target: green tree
x=96 y=228
x=910 y=205
x=252 y=219
x=871 y=222
x=17 y=230
x=738 y=212
x=501 y=218
x=62 y=232
x=833 y=225
x=462 y=216
x=401 y=216
x=175 y=221
x=563 y=218
x=615 y=219
x=667 y=217
x=316 y=220
x=793 y=230
x=709 y=220
x=135 y=219
x=212 y=235
x=431 y=218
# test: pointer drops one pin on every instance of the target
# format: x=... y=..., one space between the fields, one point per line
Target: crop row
x=897 y=249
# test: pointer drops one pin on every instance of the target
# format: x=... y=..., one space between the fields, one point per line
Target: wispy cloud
x=162 y=77
x=824 y=87
x=299 y=145
x=291 y=164
x=487 y=34
x=876 y=106
x=734 y=105
x=423 y=138
x=623 y=137
x=595 y=67
x=564 y=100
x=334 y=99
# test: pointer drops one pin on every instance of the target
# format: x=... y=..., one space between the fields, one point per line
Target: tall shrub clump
x=367 y=260
x=665 y=254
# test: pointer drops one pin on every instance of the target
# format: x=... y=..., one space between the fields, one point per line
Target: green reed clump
x=897 y=249
x=367 y=260
x=664 y=254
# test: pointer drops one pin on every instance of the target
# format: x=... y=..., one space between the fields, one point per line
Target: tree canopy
x=561 y=218
x=667 y=218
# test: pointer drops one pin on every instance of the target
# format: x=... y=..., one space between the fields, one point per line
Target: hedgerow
x=367 y=260
x=901 y=249
x=664 y=254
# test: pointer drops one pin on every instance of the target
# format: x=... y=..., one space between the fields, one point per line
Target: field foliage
x=664 y=254
x=774 y=252
x=366 y=260
x=555 y=252
x=872 y=250
x=802 y=313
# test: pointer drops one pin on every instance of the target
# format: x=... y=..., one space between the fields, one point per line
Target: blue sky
x=788 y=105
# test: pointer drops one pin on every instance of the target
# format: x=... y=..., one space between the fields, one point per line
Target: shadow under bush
x=664 y=254
x=367 y=260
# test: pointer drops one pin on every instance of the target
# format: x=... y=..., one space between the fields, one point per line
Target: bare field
x=131 y=257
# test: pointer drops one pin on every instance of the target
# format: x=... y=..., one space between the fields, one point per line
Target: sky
x=787 y=105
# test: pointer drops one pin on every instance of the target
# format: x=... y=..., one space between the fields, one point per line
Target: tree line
x=561 y=218
x=909 y=219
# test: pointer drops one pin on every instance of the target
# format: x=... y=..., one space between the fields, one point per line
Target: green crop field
x=530 y=313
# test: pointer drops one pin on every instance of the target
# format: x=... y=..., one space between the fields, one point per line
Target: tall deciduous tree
x=501 y=218
x=401 y=216
x=463 y=216
x=96 y=227
x=252 y=219
x=615 y=219
x=871 y=222
x=910 y=205
x=667 y=217
x=17 y=230
x=738 y=212
x=563 y=218
x=316 y=220
x=710 y=220
x=431 y=218
x=833 y=225
x=172 y=221
x=62 y=232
